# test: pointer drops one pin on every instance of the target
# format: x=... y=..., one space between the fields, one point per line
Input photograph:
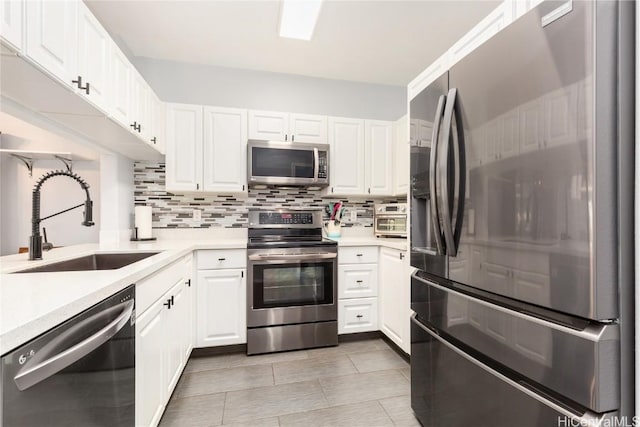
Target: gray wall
x=259 y=90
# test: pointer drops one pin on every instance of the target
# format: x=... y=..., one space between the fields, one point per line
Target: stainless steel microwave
x=287 y=163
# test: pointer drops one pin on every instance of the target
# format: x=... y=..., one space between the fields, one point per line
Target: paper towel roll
x=143 y=221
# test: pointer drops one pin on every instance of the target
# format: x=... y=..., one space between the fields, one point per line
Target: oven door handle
x=292 y=257
x=29 y=376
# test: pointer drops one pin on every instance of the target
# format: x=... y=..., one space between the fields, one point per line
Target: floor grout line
x=386 y=412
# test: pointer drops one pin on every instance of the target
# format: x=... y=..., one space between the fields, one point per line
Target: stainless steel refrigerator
x=522 y=225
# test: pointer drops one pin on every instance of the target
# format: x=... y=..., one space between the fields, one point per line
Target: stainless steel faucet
x=35 y=242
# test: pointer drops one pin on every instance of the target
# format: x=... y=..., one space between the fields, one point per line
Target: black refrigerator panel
x=453 y=387
x=536 y=109
x=425 y=120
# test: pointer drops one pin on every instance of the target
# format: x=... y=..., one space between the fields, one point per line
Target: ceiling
x=384 y=42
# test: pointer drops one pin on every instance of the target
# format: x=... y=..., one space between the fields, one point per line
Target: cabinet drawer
x=357 y=315
x=357 y=281
x=358 y=255
x=149 y=289
x=221 y=258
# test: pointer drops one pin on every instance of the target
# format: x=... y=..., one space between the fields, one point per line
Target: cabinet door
x=140 y=100
x=401 y=158
x=347 y=156
x=222 y=308
x=379 y=149
x=269 y=125
x=357 y=281
x=308 y=128
x=184 y=147
x=225 y=149
x=560 y=116
x=357 y=315
x=175 y=333
x=151 y=344
x=93 y=57
x=120 y=71
x=531 y=126
x=394 y=296
x=509 y=146
x=52 y=38
x=11 y=23
x=156 y=121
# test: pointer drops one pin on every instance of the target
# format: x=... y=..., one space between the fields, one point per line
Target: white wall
x=116 y=181
x=259 y=90
x=57 y=193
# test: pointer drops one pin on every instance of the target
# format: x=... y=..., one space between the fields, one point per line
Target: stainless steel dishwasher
x=80 y=373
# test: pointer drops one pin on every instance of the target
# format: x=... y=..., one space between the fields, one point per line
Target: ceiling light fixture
x=298 y=18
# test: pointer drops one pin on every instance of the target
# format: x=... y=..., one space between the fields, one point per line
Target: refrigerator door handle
x=435 y=213
x=452 y=226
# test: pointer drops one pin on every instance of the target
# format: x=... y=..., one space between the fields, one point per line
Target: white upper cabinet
x=52 y=38
x=11 y=23
x=308 y=128
x=379 y=156
x=401 y=157
x=225 y=149
x=157 y=123
x=121 y=72
x=347 y=156
x=184 y=147
x=279 y=126
x=268 y=125
x=93 y=58
x=140 y=102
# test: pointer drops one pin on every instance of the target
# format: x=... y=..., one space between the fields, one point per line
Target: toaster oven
x=390 y=220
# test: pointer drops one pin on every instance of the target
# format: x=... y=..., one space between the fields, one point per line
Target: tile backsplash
x=173 y=210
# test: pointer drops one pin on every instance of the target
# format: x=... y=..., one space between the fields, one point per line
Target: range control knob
x=380 y=209
x=403 y=209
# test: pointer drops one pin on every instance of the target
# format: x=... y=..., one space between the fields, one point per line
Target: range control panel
x=289 y=219
x=279 y=218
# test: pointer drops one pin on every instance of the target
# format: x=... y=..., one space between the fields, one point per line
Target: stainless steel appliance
x=81 y=373
x=288 y=164
x=390 y=219
x=292 y=276
x=521 y=225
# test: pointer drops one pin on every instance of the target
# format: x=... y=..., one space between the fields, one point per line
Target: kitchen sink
x=92 y=262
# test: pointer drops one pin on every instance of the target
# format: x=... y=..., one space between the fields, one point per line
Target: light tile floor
x=360 y=383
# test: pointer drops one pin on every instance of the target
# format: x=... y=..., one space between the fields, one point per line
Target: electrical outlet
x=196 y=214
x=354 y=215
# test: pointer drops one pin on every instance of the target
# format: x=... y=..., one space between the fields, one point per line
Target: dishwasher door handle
x=30 y=375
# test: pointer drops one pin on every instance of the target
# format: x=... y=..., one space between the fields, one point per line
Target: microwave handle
x=316 y=164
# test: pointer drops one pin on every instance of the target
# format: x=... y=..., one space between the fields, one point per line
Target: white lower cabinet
x=357 y=315
x=221 y=299
x=357 y=289
x=151 y=341
x=395 y=296
x=161 y=347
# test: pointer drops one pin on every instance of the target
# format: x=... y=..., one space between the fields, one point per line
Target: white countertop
x=32 y=303
x=387 y=242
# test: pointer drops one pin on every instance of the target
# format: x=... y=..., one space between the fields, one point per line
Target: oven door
x=289 y=286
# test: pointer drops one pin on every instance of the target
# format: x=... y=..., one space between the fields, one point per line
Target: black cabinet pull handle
x=168 y=304
x=222 y=259
x=172 y=302
x=285 y=136
x=401 y=255
x=79 y=83
x=358 y=281
x=358 y=254
x=153 y=139
x=292 y=137
x=189 y=283
x=359 y=316
x=134 y=125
